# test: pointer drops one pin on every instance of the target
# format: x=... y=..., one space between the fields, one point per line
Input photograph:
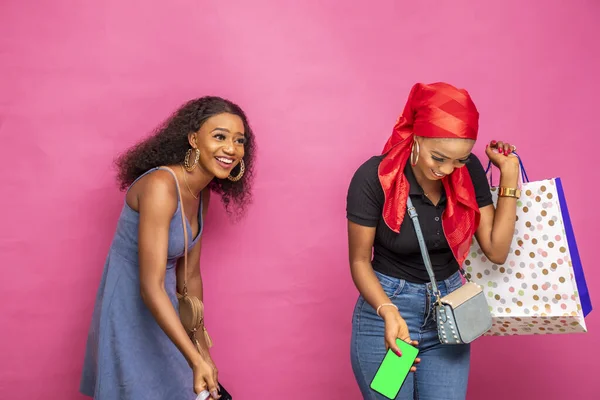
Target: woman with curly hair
x=137 y=347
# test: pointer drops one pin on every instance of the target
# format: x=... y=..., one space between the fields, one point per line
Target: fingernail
x=494 y=142
x=203 y=395
x=398 y=353
x=214 y=394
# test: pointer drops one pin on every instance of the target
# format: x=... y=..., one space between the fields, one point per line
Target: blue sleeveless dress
x=128 y=356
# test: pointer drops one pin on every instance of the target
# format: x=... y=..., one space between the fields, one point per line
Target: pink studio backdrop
x=322 y=82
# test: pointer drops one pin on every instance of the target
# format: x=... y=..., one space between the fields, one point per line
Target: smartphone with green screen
x=393 y=370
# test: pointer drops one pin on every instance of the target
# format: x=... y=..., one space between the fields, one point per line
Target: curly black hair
x=169 y=144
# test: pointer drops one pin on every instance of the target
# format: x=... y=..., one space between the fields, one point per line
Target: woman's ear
x=192 y=140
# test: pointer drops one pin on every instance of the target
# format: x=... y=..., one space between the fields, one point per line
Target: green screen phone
x=393 y=370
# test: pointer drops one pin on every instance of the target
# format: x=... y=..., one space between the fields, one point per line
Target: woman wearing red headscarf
x=428 y=157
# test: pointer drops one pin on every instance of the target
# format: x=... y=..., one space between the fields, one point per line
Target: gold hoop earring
x=414 y=159
x=186 y=160
x=240 y=174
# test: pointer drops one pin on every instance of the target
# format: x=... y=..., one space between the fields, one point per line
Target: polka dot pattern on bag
x=533 y=292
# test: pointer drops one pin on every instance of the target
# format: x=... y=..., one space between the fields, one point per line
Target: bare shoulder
x=157 y=190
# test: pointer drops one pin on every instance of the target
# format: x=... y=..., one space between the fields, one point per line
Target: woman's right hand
x=396 y=328
x=205 y=376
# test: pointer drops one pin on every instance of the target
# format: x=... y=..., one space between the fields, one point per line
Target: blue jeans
x=444 y=369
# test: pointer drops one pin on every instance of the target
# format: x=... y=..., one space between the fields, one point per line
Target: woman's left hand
x=500 y=154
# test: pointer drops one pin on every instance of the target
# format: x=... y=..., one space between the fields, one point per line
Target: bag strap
x=185 y=235
x=412 y=213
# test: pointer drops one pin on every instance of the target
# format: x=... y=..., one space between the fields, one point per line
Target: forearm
x=159 y=304
x=368 y=285
x=505 y=216
x=195 y=288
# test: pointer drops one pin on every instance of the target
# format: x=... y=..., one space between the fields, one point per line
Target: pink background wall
x=323 y=85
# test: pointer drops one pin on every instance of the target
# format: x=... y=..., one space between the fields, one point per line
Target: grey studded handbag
x=463 y=315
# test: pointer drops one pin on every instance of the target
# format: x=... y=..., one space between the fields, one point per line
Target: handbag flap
x=462 y=294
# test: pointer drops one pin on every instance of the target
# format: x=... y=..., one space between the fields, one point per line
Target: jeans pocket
x=391 y=286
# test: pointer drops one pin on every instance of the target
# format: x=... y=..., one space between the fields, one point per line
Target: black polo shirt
x=398 y=254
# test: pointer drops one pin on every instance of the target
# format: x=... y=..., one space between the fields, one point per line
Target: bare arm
x=157 y=203
x=194 y=278
x=497 y=226
x=360 y=245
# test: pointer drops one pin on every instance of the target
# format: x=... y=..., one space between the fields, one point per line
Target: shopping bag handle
x=524 y=176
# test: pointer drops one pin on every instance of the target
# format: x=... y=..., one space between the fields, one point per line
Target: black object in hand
x=224 y=393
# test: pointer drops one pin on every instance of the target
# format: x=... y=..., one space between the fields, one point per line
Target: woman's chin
x=426 y=173
x=221 y=174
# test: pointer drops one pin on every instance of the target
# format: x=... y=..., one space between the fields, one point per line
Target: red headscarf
x=437 y=110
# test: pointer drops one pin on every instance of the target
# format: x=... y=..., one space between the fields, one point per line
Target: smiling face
x=221 y=143
x=439 y=157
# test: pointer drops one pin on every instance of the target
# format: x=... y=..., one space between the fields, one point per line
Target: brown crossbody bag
x=191 y=308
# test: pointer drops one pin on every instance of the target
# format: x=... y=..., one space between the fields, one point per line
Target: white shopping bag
x=536 y=290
